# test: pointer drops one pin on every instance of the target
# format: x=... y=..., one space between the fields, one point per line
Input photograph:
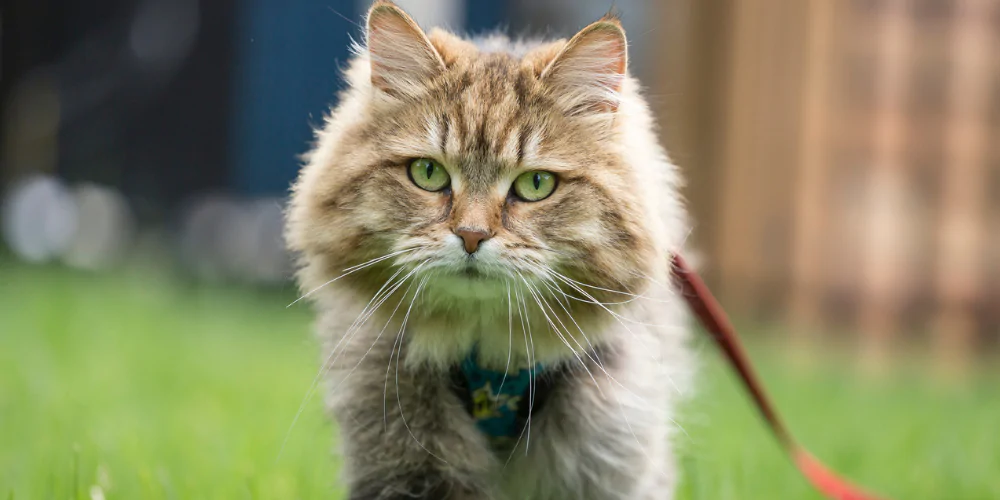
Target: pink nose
x=472 y=238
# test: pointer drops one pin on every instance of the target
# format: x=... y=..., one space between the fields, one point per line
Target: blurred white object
x=208 y=227
x=269 y=262
x=39 y=218
x=226 y=238
x=104 y=228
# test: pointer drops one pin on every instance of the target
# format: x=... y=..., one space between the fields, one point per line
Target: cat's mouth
x=472 y=273
x=470 y=282
x=475 y=272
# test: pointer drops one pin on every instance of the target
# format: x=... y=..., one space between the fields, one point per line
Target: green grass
x=149 y=388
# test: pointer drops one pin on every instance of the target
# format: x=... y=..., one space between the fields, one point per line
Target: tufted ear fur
x=587 y=74
x=402 y=58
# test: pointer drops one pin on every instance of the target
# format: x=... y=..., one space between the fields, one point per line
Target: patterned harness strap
x=501 y=401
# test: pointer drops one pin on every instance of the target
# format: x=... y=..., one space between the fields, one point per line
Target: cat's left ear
x=402 y=57
x=587 y=74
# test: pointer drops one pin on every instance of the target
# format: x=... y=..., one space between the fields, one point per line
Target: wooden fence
x=842 y=161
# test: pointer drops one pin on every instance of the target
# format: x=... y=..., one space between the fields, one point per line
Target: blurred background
x=842 y=167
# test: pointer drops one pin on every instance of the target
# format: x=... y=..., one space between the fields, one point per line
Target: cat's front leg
x=404 y=433
x=600 y=436
x=432 y=487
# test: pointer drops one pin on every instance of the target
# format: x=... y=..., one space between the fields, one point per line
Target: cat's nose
x=472 y=238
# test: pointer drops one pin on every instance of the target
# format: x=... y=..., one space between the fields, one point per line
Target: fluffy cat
x=486 y=206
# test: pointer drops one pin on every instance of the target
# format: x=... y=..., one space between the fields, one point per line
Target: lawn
x=139 y=385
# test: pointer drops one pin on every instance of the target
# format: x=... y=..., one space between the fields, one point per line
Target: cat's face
x=476 y=171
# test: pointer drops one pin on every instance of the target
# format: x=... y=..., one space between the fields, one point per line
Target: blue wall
x=287 y=73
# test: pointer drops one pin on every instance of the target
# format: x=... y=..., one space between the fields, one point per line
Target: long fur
x=578 y=280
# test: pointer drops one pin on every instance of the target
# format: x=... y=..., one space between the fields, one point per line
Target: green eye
x=535 y=185
x=428 y=174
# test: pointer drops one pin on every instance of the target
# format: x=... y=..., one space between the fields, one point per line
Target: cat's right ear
x=402 y=57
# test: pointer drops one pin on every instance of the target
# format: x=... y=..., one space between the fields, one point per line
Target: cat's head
x=477 y=166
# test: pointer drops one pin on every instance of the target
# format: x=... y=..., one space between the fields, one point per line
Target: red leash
x=714 y=319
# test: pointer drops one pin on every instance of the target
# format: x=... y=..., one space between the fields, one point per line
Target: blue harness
x=500 y=403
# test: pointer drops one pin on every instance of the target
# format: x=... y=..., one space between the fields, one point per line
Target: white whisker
x=399 y=403
x=629 y=294
x=382 y=331
x=596 y=359
x=526 y=329
x=539 y=300
x=544 y=271
x=619 y=318
x=378 y=299
x=350 y=270
x=385 y=388
x=510 y=341
x=619 y=401
x=328 y=364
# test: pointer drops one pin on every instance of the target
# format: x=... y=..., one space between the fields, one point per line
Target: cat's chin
x=469 y=284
